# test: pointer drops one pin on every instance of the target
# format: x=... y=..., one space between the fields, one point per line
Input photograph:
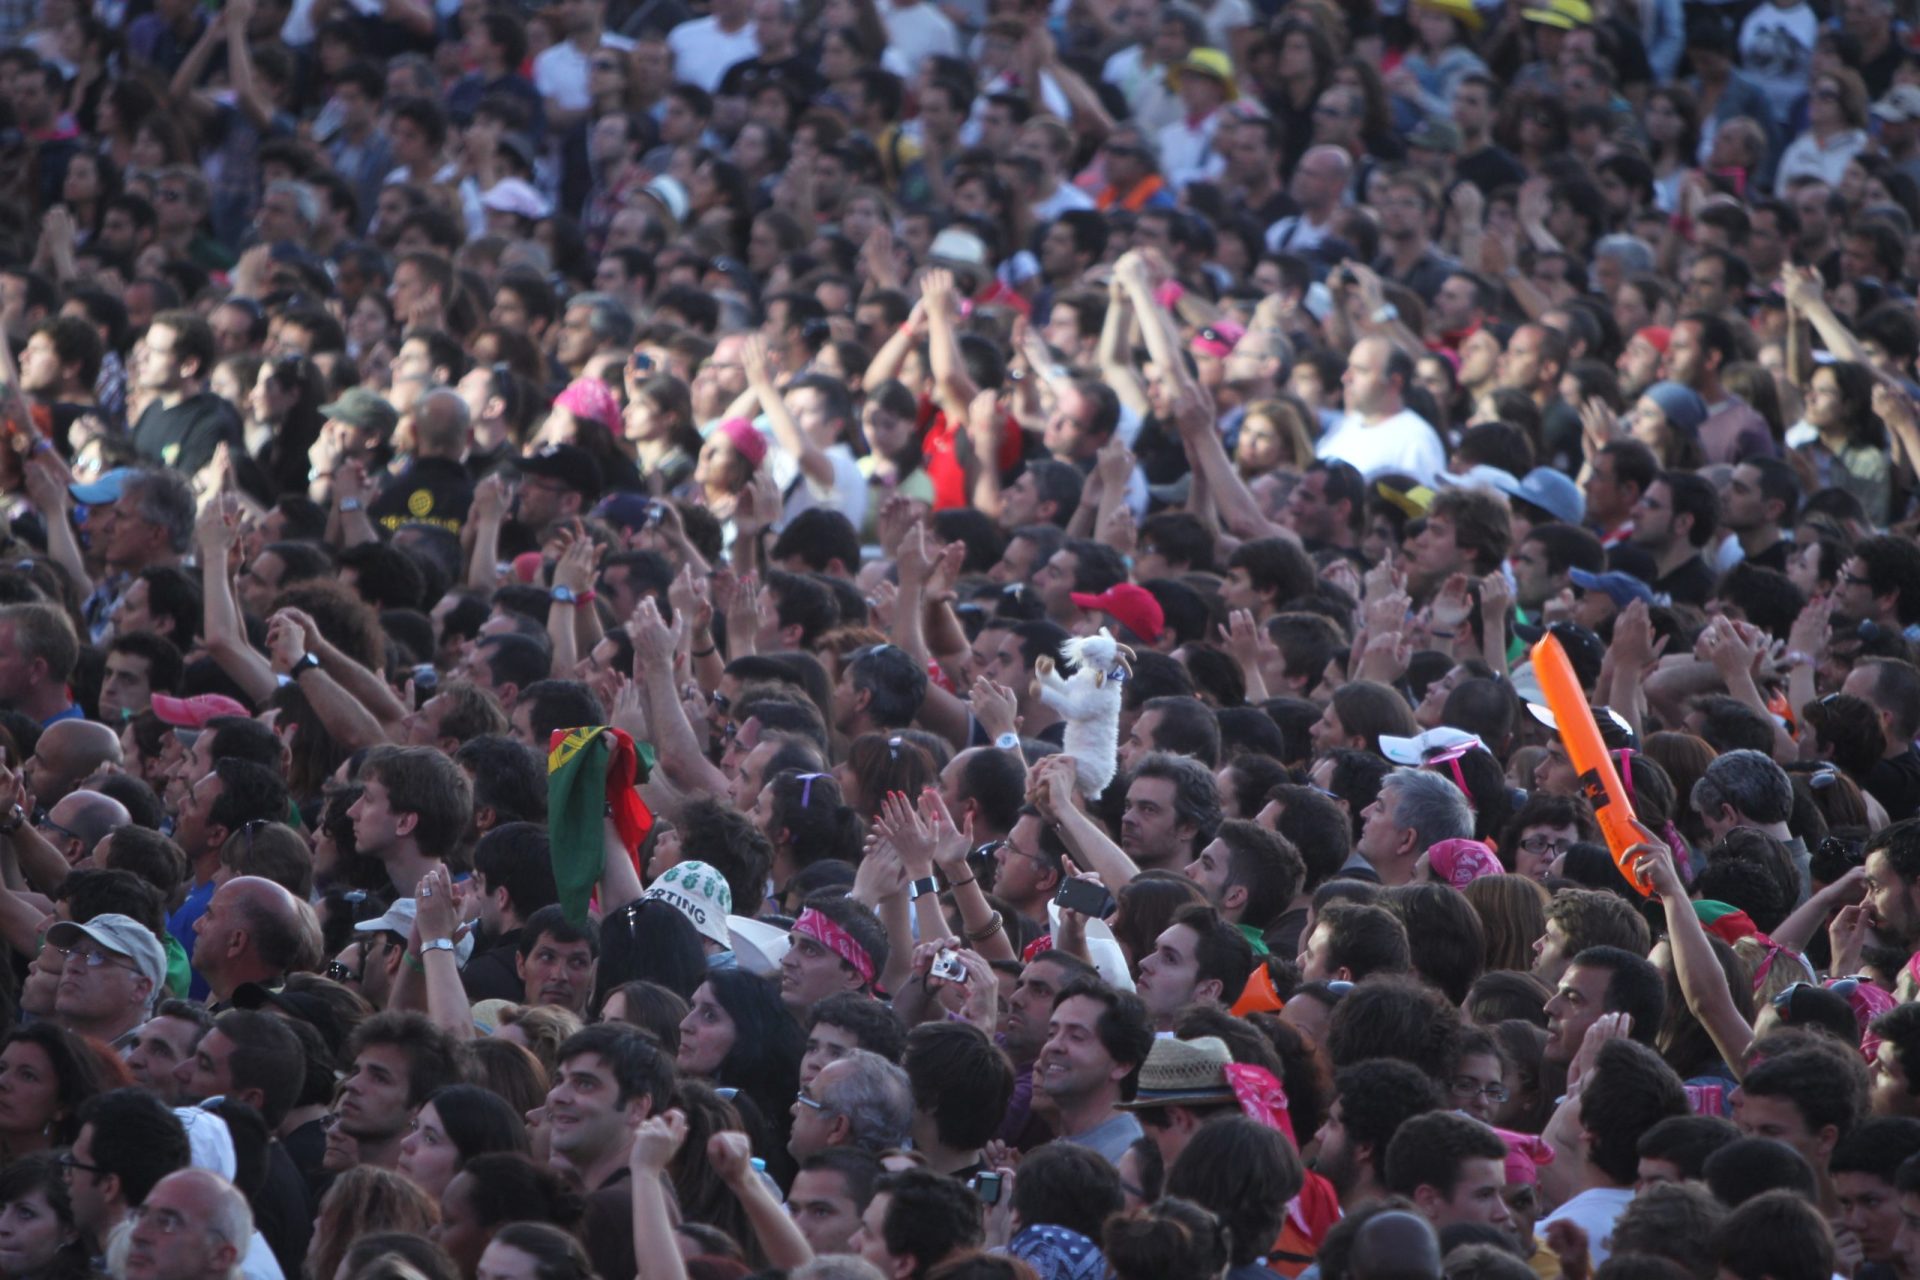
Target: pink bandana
x=746 y=441
x=591 y=400
x=812 y=924
x=1261 y=1097
x=1868 y=1002
x=1525 y=1154
x=1460 y=862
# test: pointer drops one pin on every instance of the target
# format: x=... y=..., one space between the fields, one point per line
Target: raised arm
x=953 y=390
x=350 y=723
x=677 y=749
x=730 y=1154
x=1702 y=980
x=438 y=922
x=814 y=464
x=1050 y=787
x=222 y=627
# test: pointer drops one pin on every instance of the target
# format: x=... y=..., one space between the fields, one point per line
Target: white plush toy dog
x=1090 y=702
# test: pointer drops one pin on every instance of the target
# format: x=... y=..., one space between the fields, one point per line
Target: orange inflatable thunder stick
x=1599 y=779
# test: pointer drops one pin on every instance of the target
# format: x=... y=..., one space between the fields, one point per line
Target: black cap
x=310 y=1009
x=570 y=465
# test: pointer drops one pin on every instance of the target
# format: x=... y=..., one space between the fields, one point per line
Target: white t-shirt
x=702 y=52
x=1776 y=51
x=560 y=73
x=1404 y=442
x=1594 y=1212
x=848 y=494
x=1065 y=196
x=916 y=30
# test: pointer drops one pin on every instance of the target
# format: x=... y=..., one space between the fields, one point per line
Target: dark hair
x=266 y=1056
x=514 y=856
x=79 y=1073
x=1628 y=1092
x=649 y=939
x=135 y=1137
x=1445 y=935
x=1429 y=1149
x=1244 y=1172
x=638 y=1067
x=1124 y=1027
x=767 y=1044
x=1777 y=1235
x=1824 y=1090
x=1069 y=1186
x=433 y=1059
x=873 y=1024
x=1394 y=1017
x=479 y=1121
x=1364 y=939
x=1685 y=1142
x=728 y=841
x=929 y=1217
x=960 y=1078
x=510 y=1187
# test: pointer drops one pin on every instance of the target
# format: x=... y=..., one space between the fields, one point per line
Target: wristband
x=924 y=885
x=414 y=962
x=304 y=663
x=707 y=652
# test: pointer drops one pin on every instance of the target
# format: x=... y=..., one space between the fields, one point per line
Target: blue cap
x=1622 y=588
x=628 y=510
x=1553 y=492
x=1682 y=405
x=106 y=490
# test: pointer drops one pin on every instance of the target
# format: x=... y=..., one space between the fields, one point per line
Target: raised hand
x=657 y=1141
x=1452 y=606
x=995 y=707
x=652 y=641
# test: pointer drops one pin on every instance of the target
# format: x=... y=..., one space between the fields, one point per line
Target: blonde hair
x=361 y=1201
x=1290 y=414
x=546 y=1027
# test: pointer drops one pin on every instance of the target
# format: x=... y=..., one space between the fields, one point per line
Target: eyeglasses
x=1783 y=1003
x=166 y=196
x=1827 y=93
x=1545 y=844
x=809 y=1103
x=48 y=824
x=1468 y=1087
x=169 y=1222
x=1854 y=579
x=68 y=1164
x=94 y=957
x=340 y=973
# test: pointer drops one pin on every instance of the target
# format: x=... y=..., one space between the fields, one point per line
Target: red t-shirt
x=939 y=451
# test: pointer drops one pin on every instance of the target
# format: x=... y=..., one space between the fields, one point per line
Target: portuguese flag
x=592 y=775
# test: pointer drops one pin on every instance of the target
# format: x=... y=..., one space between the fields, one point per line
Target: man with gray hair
x=861 y=1100
x=111 y=970
x=145 y=522
x=593 y=323
x=76 y=823
x=1747 y=788
x=38 y=652
x=1416 y=808
x=288 y=213
x=193 y=1225
x=1617 y=258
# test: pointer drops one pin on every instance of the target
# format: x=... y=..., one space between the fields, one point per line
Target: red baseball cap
x=194 y=712
x=1131 y=606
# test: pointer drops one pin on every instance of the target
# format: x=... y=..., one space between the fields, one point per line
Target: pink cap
x=1526 y=1152
x=1460 y=862
x=747 y=442
x=1218 y=339
x=591 y=400
x=194 y=712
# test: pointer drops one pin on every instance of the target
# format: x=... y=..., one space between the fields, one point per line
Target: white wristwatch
x=1008 y=741
x=437 y=944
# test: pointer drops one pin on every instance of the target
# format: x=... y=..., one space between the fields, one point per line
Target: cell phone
x=654 y=512
x=947 y=966
x=642 y=362
x=987 y=1187
x=1084 y=896
x=426 y=678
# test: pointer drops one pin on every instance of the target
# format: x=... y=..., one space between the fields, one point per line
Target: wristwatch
x=304 y=663
x=925 y=884
x=1008 y=741
x=15 y=819
x=563 y=595
x=349 y=504
x=437 y=944
x=1385 y=313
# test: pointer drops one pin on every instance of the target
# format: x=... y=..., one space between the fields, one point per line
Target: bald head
x=67 y=752
x=1396 y=1246
x=440 y=424
x=253 y=931
x=89 y=816
x=208 y=1221
x=1332 y=157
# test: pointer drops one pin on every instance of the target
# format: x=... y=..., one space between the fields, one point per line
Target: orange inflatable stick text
x=1580 y=733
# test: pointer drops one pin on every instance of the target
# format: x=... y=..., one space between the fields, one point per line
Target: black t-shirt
x=1895 y=783
x=1491 y=168
x=798 y=75
x=281 y=1211
x=434 y=491
x=492 y=974
x=184 y=437
x=1691 y=583
x=1774 y=557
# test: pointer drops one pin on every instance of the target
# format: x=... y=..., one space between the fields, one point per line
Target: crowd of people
x=896 y=640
